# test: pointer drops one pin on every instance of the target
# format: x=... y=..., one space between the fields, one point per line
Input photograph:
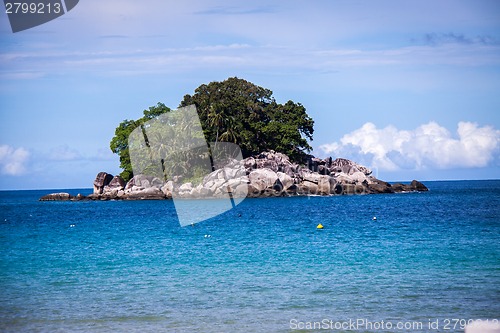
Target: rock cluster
x=268 y=174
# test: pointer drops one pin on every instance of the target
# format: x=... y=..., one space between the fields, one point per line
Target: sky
x=410 y=89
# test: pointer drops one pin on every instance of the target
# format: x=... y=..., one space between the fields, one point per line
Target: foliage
x=233 y=110
x=119 y=143
x=241 y=112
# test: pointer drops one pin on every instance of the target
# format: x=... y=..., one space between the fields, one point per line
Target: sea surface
x=428 y=263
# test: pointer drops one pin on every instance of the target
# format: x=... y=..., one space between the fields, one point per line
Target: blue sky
x=408 y=88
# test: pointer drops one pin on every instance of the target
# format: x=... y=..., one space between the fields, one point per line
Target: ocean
x=430 y=262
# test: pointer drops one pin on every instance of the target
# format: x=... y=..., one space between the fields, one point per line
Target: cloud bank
x=429 y=146
x=13 y=161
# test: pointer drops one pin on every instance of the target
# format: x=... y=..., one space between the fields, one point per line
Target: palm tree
x=229 y=135
x=216 y=119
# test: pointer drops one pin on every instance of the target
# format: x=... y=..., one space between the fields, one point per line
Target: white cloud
x=198 y=35
x=103 y=154
x=428 y=146
x=160 y=60
x=13 y=161
x=64 y=153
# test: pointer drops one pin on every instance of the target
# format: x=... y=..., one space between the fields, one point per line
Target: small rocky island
x=269 y=174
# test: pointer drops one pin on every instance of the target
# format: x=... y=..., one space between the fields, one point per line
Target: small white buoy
x=71 y=225
x=374 y=218
x=208 y=236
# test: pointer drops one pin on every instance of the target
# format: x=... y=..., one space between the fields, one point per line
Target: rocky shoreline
x=269 y=174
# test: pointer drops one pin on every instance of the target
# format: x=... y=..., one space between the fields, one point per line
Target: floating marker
x=319 y=226
x=374 y=218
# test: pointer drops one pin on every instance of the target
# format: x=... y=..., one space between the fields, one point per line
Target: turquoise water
x=262 y=267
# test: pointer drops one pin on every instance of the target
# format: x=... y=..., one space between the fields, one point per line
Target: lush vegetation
x=119 y=143
x=236 y=111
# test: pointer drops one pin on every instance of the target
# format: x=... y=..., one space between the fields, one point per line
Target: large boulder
x=228 y=173
x=309 y=176
x=314 y=184
x=167 y=189
x=418 y=186
x=323 y=170
x=150 y=193
x=358 y=177
x=378 y=186
x=214 y=185
x=140 y=182
x=263 y=178
x=249 y=164
x=234 y=183
x=324 y=185
x=187 y=187
x=253 y=192
x=285 y=180
x=414 y=186
x=310 y=181
x=269 y=160
x=267 y=164
x=344 y=179
x=183 y=191
x=347 y=166
x=213 y=176
x=116 y=184
x=307 y=188
x=79 y=197
x=233 y=172
x=101 y=180
x=62 y=196
x=291 y=170
x=240 y=191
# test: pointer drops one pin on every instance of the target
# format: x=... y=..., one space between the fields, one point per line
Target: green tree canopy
x=241 y=112
x=119 y=143
x=236 y=111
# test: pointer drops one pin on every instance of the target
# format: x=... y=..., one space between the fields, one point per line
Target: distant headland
x=269 y=174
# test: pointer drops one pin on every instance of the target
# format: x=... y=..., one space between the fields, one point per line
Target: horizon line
x=390 y=181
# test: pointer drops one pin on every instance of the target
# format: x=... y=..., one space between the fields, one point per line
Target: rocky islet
x=269 y=174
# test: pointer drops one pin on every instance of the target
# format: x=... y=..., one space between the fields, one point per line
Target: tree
x=215 y=119
x=119 y=143
x=239 y=111
x=233 y=110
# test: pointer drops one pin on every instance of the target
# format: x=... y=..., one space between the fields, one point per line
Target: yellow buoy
x=319 y=226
